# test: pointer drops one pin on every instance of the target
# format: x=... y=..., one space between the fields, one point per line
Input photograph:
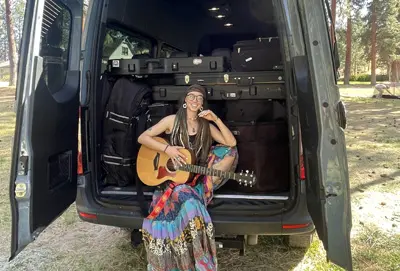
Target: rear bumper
x=224 y=224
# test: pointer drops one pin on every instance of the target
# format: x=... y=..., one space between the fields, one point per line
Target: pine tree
x=12 y=51
x=347 y=67
x=387 y=32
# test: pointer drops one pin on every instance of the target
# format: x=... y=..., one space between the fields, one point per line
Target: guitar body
x=154 y=167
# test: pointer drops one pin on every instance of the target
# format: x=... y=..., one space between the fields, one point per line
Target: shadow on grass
x=378 y=181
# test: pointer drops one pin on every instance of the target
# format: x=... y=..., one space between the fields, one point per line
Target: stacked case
x=243 y=86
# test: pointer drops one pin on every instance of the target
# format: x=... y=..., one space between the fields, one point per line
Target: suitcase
x=167 y=65
x=223 y=92
x=230 y=78
x=157 y=111
x=249 y=111
x=257 y=55
x=263 y=149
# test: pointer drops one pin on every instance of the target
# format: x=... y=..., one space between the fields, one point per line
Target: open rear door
x=323 y=139
x=44 y=167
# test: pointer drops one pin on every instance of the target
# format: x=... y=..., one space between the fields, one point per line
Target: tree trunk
x=347 y=67
x=333 y=8
x=389 y=70
x=12 y=51
x=373 y=44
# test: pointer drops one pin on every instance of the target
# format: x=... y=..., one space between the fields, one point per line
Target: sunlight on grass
x=376 y=250
x=349 y=91
x=315 y=259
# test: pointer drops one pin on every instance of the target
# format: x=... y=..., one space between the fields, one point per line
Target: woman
x=178 y=234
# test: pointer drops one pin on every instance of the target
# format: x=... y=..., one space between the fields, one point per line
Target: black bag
x=257 y=55
x=230 y=78
x=126 y=115
x=263 y=149
x=107 y=82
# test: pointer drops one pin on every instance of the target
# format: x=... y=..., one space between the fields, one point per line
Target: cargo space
x=237 y=55
x=261 y=131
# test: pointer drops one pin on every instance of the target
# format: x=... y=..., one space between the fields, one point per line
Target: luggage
x=257 y=55
x=125 y=119
x=249 y=111
x=263 y=148
x=223 y=92
x=107 y=82
x=157 y=111
x=230 y=78
x=167 y=65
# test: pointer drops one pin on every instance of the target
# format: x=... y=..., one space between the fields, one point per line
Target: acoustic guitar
x=155 y=167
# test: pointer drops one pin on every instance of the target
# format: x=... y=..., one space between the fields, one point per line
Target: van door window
x=120 y=45
x=332 y=38
x=166 y=51
x=54 y=47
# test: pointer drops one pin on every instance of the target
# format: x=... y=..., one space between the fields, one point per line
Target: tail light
x=302 y=168
x=80 y=166
x=295 y=226
x=87 y=215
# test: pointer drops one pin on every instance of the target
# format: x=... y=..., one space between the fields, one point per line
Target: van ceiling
x=191 y=25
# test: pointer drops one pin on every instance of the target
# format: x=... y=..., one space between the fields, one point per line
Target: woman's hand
x=177 y=157
x=208 y=115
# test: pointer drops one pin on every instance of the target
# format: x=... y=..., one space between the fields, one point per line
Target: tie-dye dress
x=181 y=236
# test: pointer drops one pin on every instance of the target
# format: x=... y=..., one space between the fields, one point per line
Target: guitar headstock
x=246 y=178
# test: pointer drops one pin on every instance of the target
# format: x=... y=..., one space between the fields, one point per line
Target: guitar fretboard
x=210 y=172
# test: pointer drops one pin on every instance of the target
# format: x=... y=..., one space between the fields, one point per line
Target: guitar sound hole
x=170 y=166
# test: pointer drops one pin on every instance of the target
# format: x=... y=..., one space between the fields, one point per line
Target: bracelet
x=216 y=119
x=166 y=148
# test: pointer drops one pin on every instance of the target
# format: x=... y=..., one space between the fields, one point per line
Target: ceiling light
x=228 y=24
x=220 y=16
x=213 y=9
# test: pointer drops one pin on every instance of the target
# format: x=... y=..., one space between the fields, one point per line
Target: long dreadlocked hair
x=180 y=134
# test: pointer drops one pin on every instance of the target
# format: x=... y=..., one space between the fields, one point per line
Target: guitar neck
x=210 y=172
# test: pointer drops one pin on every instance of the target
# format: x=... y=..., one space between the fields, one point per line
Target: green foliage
x=17 y=14
x=367 y=77
x=388 y=30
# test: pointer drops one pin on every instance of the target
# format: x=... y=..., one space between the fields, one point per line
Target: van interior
x=179 y=28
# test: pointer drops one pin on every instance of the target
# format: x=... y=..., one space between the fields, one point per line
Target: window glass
x=54 y=45
x=166 y=50
x=119 y=45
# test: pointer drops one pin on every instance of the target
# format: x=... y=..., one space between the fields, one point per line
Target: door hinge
x=23 y=165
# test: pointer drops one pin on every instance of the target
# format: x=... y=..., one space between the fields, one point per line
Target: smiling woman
x=179 y=223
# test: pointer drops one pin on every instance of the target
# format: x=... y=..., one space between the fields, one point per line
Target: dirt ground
x=373 y=140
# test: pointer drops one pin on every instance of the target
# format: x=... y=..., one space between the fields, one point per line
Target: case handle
x=154 y=64
x=231 y=95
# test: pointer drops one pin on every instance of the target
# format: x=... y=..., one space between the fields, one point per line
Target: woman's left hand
x=208 y=115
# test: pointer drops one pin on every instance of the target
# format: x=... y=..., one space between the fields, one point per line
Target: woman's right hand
x=177 y=157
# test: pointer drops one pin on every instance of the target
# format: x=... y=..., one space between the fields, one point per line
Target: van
x=57 y=148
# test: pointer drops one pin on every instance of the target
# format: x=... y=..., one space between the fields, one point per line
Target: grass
x=341 y=82
x=373 y=148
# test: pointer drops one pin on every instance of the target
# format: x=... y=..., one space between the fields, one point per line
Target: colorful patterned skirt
x=181 y=236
